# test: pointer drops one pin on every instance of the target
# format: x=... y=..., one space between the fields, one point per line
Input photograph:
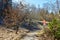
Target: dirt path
x=8 y=34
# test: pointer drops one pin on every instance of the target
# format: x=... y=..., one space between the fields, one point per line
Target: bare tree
x=57 y=5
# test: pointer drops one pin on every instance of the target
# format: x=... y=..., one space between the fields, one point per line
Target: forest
x=28 y=22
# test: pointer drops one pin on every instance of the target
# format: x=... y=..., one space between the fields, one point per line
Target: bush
x=54 y=26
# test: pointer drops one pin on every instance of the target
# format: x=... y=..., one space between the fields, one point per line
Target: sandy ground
x=8 y=34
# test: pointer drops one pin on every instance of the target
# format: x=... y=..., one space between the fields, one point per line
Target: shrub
x=54 y=26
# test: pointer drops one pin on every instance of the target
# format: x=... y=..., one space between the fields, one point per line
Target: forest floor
x=23 y=34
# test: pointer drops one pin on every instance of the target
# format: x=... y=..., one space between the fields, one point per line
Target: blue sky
x=37 y=2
